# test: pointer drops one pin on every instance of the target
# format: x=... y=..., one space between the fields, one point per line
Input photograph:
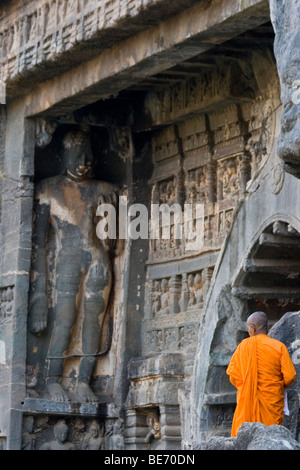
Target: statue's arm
x=114 y=246
x=38 y=301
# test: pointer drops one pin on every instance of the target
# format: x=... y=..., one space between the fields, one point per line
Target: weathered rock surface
x=285 y=21
x=287 y=330
x=254 y=436
x=257 y=436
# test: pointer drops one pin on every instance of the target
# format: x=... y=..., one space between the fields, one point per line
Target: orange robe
x=260 y=369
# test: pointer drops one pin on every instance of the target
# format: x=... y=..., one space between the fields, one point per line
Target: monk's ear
x=251 y=330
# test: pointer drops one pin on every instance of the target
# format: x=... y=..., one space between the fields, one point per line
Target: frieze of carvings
x=43 y=432
x=215 y=223
x=210 y=89
x=195 y=140
x=197 y=92
x=178 y=293
x=174 y=307
x=177 y=338
x=228 y=130
x=49 y=27
x=165 y=155
x=220 y=154
x=165 y=144
x=6 y=304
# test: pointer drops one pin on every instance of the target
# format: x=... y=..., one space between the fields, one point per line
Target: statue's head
x=95 y=428
x=77 y=156
x=61 y=431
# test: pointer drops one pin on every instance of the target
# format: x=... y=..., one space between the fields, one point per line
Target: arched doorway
x=268 y=279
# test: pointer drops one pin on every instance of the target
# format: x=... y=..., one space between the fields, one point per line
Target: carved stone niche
x=70 y=310
x=285 y=19
x=229 y=181
x=153 y=428
x=155 y=379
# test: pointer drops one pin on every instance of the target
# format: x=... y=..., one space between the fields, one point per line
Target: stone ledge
x=220 y=398
x=38 y=406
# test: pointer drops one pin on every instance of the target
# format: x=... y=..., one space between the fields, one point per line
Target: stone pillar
x=211 y=168
x=245 y=172
x=16 y=223
x=184 y=299
x=206 y=276
x=170 y=427
x=136 y=430
x=175 y=293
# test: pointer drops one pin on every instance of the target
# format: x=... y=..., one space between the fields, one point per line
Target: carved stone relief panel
x=48 y=27
x=228 y=131
x=6 y=304
x=175 y=307
x=212 y=169
x=50 y=432
x=211 y=88
x=229 y=181
x=260 y=115
x=197 y=190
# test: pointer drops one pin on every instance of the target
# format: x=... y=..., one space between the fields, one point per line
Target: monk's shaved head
x=259 y=322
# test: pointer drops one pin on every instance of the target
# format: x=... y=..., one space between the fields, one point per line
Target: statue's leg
x=96 y=298
x=65 y=315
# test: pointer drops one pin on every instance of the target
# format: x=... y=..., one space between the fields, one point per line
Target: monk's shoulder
x=245 y=343
x=275 y=343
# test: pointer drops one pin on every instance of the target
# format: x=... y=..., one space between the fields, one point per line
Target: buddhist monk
x=260 y=369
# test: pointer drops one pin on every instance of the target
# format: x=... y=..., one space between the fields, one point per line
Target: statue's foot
x=85 y=394
x=57 y=393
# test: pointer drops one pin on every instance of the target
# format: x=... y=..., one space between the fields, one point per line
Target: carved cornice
x=40 y=31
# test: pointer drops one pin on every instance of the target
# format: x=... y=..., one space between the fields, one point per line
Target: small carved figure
x=198 y=289
x=60 y=438
x=156 y=304
x=117 y=439
x=191 y=287
x=230 y=179
x=95 y=437
x=78 y=432
x=154 y=426
x=28 y=439
x=165 y=297
x=31 y=382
